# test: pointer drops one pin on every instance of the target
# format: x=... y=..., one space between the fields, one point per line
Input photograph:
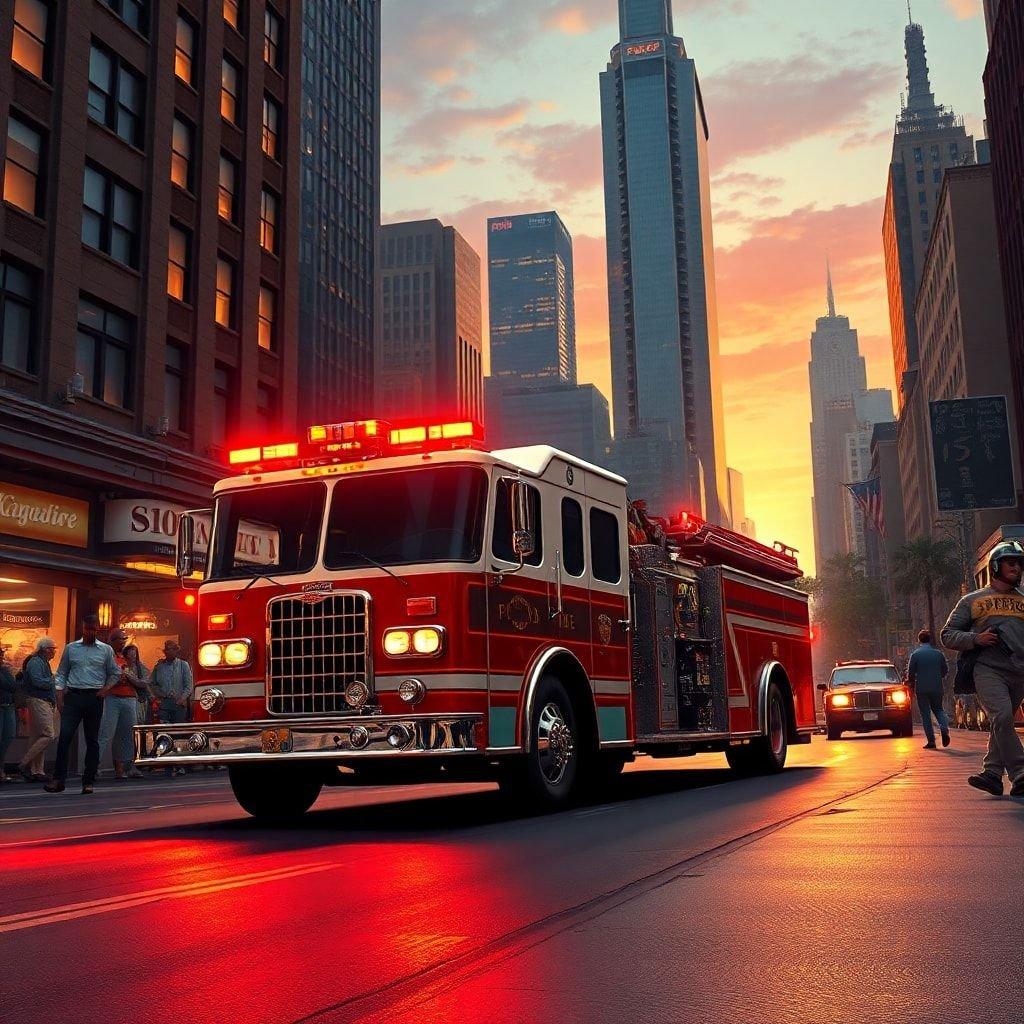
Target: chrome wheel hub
x=555 y=743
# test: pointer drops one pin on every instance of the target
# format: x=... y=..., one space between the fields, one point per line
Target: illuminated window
x=267 y=317
x=232 y=15
x=268 y=221
x=272 y=31
x=18 y=303
x=110 y=217
x=103 y=349
x=225 y=303
x=185 y=49
x=229 y=101
x=227 y=197
x=22 y=166
x=181 y=154
x=31 y=30
x=117 y=95
x=271 y=127
x=178 y=251
x=131 y=12
x=175 y=373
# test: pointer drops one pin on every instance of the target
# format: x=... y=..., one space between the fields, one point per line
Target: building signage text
x=40 y=516
x=648 y=49
x=501 y=225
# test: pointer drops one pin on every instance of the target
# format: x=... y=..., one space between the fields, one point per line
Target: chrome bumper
x=283 y=739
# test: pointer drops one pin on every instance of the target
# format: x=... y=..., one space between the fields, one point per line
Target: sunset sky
x=491 y=107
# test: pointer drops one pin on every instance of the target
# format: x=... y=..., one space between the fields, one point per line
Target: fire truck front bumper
x=296 y=739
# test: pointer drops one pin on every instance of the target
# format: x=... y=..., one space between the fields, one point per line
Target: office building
x=661 y=277
x=430 y=357
x=738 y=505
x=340 y=196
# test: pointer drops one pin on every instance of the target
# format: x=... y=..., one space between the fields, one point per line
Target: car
x=863 y=696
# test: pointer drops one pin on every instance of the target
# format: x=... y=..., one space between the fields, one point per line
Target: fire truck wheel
x=275 y=792
x=765 y=755
x=545 y=778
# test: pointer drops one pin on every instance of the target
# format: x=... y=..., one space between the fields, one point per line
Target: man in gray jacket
x=991 y=621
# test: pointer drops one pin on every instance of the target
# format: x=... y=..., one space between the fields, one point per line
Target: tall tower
x=928 y=139
x=661 y=279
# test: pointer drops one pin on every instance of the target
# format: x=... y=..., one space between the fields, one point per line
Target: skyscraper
x=661 y=279
x=928 y=139
x=532 y=300
x=430 y=345
x=340 y=205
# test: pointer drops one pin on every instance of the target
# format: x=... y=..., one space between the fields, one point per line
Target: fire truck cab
x=398 y=601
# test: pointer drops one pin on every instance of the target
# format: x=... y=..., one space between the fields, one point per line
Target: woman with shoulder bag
x=41 y=701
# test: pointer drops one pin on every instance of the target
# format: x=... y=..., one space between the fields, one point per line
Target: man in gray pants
x=991 y=621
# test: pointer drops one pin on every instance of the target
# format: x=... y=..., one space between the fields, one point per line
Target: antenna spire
x=910 y=16
x=830 y=293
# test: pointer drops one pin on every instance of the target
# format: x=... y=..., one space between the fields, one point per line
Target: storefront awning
x=109 y=573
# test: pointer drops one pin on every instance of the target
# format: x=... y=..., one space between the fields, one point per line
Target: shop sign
x=41 y=516
x=25 y=620
x=133 y=526
x=138 y=622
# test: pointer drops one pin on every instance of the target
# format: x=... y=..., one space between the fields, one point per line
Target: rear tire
x=275 y=793
x=765 y=755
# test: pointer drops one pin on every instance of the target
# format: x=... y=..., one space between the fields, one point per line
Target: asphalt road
x=866 y=883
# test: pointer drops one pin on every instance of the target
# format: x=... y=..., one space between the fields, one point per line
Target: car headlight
x=210 y=655
x=841 y=700
x=425 y=642
x=898 y=697
x=225 y=653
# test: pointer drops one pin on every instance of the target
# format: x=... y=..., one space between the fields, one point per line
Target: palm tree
x=927 y=566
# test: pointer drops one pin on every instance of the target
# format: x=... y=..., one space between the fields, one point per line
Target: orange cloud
x=965 y=9
x=567 y=155
x=441 y=126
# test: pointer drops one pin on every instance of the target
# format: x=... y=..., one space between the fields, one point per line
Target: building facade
x=928 y=138
x=149 y=299
x=532 y=300
x=340 y=154
x=663 y=313
x=738 y=506
x=430 y=353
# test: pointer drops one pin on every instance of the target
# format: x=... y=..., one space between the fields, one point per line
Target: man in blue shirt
x=87 y=672
x=925 y=673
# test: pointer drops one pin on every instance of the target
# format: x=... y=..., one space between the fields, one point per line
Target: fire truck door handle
x=626 y=625
x=558 y=586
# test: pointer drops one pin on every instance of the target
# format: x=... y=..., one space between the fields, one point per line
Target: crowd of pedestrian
x=102 y=688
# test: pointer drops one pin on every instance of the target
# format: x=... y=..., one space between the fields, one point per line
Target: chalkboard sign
x=971 y=454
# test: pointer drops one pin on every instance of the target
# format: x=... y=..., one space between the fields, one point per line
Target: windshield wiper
x=373 y=561
x=261 y=576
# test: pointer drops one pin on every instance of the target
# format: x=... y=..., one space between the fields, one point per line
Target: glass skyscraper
x=661 y=280
x=532 y=304
x=340 y=206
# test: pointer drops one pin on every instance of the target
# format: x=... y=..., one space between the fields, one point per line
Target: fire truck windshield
x=267 y=530
x=407 y=517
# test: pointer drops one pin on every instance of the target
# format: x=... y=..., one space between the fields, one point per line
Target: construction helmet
x=1007 y=549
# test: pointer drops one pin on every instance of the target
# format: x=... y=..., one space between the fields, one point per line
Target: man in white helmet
x=991 y=622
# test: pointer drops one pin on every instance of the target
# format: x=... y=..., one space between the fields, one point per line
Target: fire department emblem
x=604 y=629
x=314 y=593
x=519 y=613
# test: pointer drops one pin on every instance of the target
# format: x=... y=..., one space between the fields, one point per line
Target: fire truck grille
x=316 y=648
x=868 y=699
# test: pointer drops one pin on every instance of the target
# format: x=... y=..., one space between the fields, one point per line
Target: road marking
x=72 y=911
x=67 y=839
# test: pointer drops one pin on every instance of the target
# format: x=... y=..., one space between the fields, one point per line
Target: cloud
x=865 y=139
x=577 y=20
x=423 y=169
x=759 y=106
x=965 y=9
x=442 y=126
x=566 y=155
x=746 y=179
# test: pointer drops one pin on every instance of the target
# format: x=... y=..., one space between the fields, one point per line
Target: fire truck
x=386 y=602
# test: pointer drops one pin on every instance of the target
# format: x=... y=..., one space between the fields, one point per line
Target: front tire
x=275 y=793
x=765 y=755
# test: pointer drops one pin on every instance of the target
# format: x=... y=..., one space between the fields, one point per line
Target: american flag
x=868 y=495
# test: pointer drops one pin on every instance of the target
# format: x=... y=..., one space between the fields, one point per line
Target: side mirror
x=184 y=557
x=524 y=541
x=823 y=687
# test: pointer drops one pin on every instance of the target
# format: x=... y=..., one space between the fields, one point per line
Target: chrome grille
x=315 y=647
x=868 y=700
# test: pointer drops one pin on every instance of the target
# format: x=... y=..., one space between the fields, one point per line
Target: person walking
x=8 y=713
x=991 y=622
x=925 y=673
x=41 y=702
x=120 y=709
x=171 y=684
x=86 y=674
x=142 y=697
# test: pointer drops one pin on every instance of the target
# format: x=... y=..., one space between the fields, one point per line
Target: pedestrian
x=925 y=673
x=990 y=622
x=8 y=712
x=120 y=709
x=41 y=702
x=137 y=671
x=171 y=684
x=86 y=674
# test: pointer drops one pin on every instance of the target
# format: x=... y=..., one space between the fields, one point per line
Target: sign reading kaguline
x=972 y=455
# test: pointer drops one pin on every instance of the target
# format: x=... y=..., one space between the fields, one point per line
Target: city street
x=867 y=882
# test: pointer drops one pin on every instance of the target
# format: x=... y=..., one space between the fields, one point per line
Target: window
x=937 y=175
x=21 y=169
x=227 y=199
x=229 y=104
x=185 y=49
x=918 y=156
x=266 y=408
x=117 y=95
x=17 y=317
x=131 y=12
x=604 y=546
x=232 y=15
x=175 y=363
x=272 y=31
x=225 y=306
x=920 y=177
x=223 y=392
x=267 y=317
x=572 y=537
x=31 y=31
x=103 y=352
x=935 y=154
x=922 y=198
x=271 y=128
x=179 y=245
x=501 y=546
x=924 y=216
x=954 y=152
x=182 y=135
x=268 y=220
x=110 y=217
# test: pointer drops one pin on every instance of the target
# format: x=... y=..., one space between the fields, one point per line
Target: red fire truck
x=398 y=602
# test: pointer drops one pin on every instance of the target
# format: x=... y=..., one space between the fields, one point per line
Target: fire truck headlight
x=236 y=653
x=841 y=700
x=211 y=655
x=428 y=640
x=412 y=691
x=397 y=642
